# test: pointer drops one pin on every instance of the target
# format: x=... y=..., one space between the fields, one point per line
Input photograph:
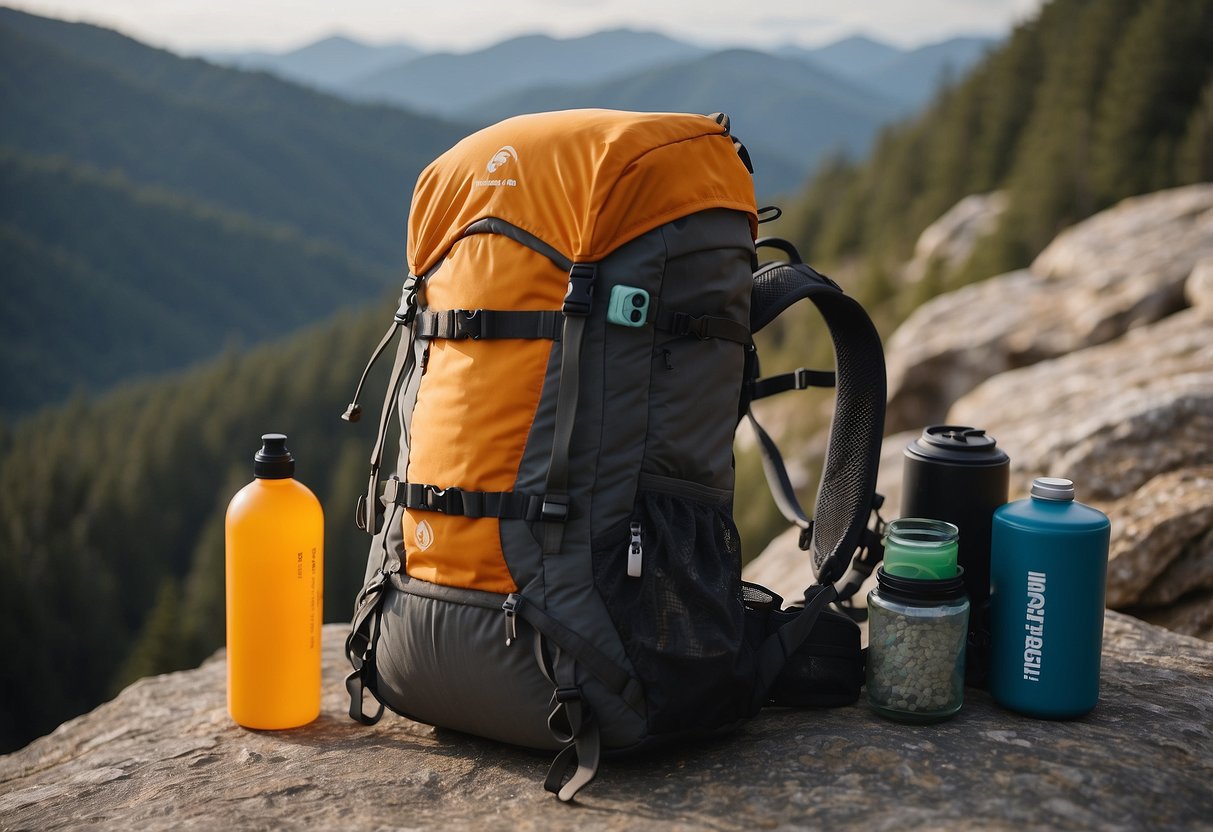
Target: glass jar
x=917 y=629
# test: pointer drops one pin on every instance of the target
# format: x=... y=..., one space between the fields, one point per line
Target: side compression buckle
x=579 y=296
x=555 y=508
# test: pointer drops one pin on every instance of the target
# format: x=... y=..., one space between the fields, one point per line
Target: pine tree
x=1156 y=80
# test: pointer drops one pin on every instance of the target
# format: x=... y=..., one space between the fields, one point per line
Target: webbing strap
x=506 y=505
x=577 y=301
x=613 y=677
x=480 y=324
x=369 y=513
x=477 y=324
x=703 y=326
x=798 y=379
x=571 y=721
x=780 y=645
x=780 y=483
x=363 y=639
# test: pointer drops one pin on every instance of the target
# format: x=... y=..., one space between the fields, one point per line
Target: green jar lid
x=921 y=548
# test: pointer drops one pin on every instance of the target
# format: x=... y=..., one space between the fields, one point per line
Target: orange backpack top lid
x=583 y=181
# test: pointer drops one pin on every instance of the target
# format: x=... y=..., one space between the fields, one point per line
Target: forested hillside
x=105 y=279
x=111 y=515
x=1092 y=101
x=142 y=178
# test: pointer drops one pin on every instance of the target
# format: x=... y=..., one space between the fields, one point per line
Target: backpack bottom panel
x=446 y=663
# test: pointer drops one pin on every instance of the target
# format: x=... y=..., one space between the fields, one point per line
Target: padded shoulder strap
x=848 y=480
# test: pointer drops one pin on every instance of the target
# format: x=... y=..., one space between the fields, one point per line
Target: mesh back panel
x=848 y=480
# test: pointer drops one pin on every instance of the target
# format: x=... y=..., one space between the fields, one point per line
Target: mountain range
x=456 y=84
x=800 y=103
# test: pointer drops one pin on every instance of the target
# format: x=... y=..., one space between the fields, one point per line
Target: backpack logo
x=424 y=535
x=502 y=156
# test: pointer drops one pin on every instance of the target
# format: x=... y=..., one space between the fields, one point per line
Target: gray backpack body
x=611 y=611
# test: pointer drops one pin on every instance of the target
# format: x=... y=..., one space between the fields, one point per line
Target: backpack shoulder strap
x=848 y=481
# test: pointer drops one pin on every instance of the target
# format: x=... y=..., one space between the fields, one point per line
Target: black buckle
x=806 y=537
x=469 y=324
x=564 y=695
x=555 y=508
x=579 y=296
x=686 y=324
x=407 y=310
x=444 y=500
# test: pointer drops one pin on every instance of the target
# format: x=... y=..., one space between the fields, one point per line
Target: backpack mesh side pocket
x=681 y=620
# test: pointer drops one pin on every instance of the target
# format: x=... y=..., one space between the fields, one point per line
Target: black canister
x=958 y=474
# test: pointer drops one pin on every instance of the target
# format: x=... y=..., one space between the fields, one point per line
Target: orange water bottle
x=275 y=582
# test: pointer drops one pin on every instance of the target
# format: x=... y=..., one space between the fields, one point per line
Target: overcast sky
x=198 y=25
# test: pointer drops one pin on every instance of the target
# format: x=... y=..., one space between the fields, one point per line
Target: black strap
x=369 y=513
x=848 y=480
x=478 y=324
x=363 y=639
x=571 y=721
x=577 y=302
x=798 y=379
x=613 y=677
x=702 y=326
x=780 y=483
x=506 y=505
x=780 y=645
x=495 y=225
x=404 y=317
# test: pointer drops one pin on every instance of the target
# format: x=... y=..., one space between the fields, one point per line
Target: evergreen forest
x=279 y=211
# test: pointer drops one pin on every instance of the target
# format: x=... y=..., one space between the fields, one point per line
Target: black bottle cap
x=273 y=461
x=959 y=444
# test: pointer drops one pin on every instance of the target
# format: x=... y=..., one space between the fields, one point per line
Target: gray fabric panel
x=622 y=359
x=708 y=272
x=447 y=664
x=564 y=583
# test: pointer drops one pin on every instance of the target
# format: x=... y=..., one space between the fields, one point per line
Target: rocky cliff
x=1096 y=363
x=164 y=755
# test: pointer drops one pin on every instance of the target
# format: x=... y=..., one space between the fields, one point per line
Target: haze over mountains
x=799 y=104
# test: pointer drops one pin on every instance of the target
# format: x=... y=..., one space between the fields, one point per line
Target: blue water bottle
x=1048 y=568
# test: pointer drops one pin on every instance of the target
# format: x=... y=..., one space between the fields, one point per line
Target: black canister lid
x=273 y=461
x=918 y=592
x=957 y=444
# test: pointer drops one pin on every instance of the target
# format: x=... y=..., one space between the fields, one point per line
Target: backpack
x=554 y=560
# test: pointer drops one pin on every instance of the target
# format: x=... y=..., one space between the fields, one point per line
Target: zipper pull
x=510 y=608
x=635 y=552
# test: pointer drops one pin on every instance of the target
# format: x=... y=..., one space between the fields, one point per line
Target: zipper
x=635 y=550
x=510 y=607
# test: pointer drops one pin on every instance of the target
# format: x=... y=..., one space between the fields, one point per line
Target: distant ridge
x=328 y=64
x=788 y=112
x=448 y=83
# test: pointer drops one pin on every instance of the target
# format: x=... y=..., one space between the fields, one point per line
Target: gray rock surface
x=164 y=755
x=949 y=241
x=1120 y=269
x=1129 y=419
